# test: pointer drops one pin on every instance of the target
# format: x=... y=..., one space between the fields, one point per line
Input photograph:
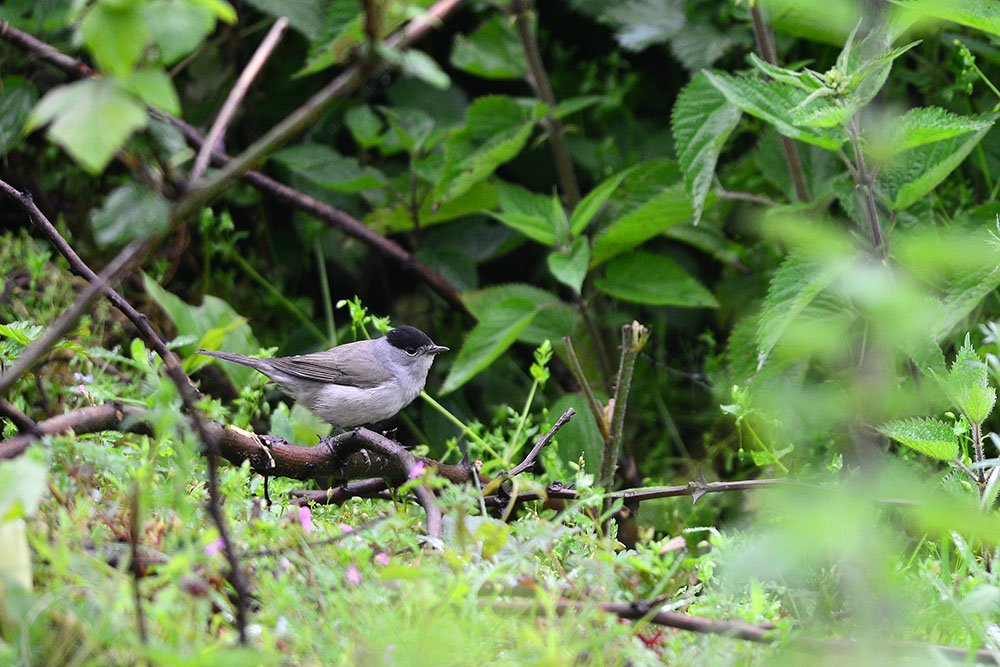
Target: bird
x=350 y=385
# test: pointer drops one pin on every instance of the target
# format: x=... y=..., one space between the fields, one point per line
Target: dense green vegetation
x=754 y=247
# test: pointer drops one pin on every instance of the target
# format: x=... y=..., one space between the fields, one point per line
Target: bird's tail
x=252 y=362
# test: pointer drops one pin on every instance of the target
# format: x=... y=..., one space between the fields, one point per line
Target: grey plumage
x=352 y=384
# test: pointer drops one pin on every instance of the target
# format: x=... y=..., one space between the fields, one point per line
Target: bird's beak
x=438 y=349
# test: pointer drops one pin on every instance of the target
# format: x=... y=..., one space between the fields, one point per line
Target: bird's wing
x=365 y=371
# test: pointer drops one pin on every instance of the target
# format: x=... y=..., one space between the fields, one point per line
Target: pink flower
x=382 y=558
x=353 y=576
x=346 y=527
x=306 y=519
x=417 y=471
x=215 y=546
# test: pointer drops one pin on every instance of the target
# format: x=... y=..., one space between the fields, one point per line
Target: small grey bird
x=364 y=382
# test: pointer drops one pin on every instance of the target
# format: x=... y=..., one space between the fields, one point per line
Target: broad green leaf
x=570 y=267
x=15 y=555
x=968 y=385
x=928 y=436
x=408 y=129
x=555 y=318
x=799 y=79
x=773 y=102
x=708 y=239
x=298 y=426
x=197 y=321
x=131 y=212
x=365 y=125
x=177 y=28
x=670 y=207
x=116 y=33
x=303 y=15
x=644 y=277
x=700 y=44
x=17 y=97
x=496 y=331
x=480 y=197
x=702 y=121
x=154 y=87
x=338 y=32
x=496 y=130
x=642 y=23
x=572 y=105
x=910 y=175
x=795 y=285
x=581 y=435
x=328 y=168
x=921 y=126
x=978 y=14
x=592 y=203
x=90 y=119
x=493 y=51
x=527 y=212
x=419 y=65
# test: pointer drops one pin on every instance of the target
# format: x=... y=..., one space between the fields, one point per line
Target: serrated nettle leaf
x=928 y=436
x=493 y=51
x=554 y=320
x=570 y=266
x=531 y=214
x=116 y=33
x=497 y=329
x=131 y=212
x=828 y=113
x=702 y=121
x=968 y=384
x=978 y=14
x=796 y=284
x=328 y=168
x=409 y=127
x=592 y=203
x=90 y=119
x=644 y=277
x=918 y=127
x=910 y=175
x=338 y=33
x=496 y=129
x=669 y=207
x=773 y=102
x=479 y=198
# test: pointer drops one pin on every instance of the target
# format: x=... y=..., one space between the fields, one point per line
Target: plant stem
x=324 y=286
x=515 y=445
x=458 y=422
x=581 y=379
x=634 y=337
x=539 y=80
x=768 y=52
x=866 y=183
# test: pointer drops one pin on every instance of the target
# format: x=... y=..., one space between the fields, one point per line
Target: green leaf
x=912 y=174
x=527 y=212
x=116 y=33
x=419 y=65
x=670 y=207
x=968 y=385
x=198 y=321
x=90 y=119
x=154 y=87
x=799 y=79
x=17 y=96
x=497 y=329
x=572 y=105
x=644 y=277
x=326 y=167
x=794 y=287
x=493 y=51
x=177 y=28
x=921 y=126
x=338 y=33
x=555 y=318
x=495 y=131
x=570 y=267
x=303 y=15
x=222 y=9
x=592 y=203
x=365 y=125
x=479 y=197
x=928 y=436
x=702 y=120
x=642 y=23
x=22 y=485
x=774 y=102
x=130 y=212
x=978 y=14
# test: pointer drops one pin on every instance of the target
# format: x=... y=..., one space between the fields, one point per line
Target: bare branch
x=23 y=422
x=543 y=441
x=236 y=95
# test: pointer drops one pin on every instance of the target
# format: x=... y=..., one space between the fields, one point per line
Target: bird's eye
x=410 y=351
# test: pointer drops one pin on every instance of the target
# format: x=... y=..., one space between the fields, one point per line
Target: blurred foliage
x=809 y=238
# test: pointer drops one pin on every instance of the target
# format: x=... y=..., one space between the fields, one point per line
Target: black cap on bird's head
x=411 y=339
